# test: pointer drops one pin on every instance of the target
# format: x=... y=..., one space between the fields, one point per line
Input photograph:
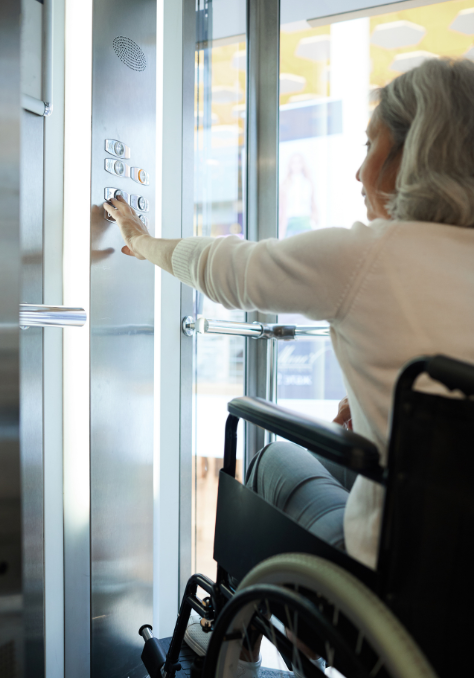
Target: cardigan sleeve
x=310 y=273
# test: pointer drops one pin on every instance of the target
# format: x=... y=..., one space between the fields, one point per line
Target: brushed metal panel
x=122 y=308
x=31 y=388
x=11 y=597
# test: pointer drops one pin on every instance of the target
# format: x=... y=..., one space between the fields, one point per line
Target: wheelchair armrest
x=331 y=441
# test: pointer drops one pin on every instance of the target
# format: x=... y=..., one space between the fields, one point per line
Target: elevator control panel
x=110 y=193
x=140 y=176
x=138 y=202
x=117 y=148
x=117 y=167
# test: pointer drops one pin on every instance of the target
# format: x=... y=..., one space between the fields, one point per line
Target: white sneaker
x=248 y=669
x=197 y=639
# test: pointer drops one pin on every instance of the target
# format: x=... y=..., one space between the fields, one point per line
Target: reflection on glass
x=220 y=82
x=329 y=75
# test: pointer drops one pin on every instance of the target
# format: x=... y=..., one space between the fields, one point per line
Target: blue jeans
x=293 y=480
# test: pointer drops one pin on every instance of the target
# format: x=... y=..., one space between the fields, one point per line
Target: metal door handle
x=256 y=330
x=38 y=315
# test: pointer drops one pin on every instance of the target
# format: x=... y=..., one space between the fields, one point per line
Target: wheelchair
x=409 y=618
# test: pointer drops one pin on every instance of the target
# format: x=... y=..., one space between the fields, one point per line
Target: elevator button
x=138 y=202
x=108 y=217
x=143 y=219
x=118 y=148
x=117 y=167
x=140 y=176
x=110 y=193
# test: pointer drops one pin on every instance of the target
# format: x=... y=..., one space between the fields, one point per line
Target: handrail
x=39 y=315
x=256 y=330
x=44 y=106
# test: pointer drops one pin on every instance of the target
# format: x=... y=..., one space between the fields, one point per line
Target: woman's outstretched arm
x=313 y=273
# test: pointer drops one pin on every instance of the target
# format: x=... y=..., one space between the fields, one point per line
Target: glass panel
x=328 y=75
x=220 y=85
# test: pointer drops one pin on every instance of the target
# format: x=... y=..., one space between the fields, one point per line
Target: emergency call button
x=140 y=176
x=117 y=167
x=117 y=148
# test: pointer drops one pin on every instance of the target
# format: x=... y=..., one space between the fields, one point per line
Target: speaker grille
x=129 y=53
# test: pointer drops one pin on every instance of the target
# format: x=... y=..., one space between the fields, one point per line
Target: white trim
x=167 y=390
x=371 y=11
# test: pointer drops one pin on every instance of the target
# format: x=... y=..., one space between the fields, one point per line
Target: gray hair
x=430 y=114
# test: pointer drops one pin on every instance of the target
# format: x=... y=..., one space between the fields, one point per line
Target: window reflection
x=220 y=84
x=329 y=75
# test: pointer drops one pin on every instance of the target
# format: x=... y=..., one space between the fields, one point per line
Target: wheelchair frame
x=260 y=530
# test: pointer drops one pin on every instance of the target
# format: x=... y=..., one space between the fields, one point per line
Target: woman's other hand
x=344 y=417
x=131 y=227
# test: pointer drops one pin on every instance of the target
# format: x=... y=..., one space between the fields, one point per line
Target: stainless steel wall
x=11 y=598
x=31 y=388
x=122 y=305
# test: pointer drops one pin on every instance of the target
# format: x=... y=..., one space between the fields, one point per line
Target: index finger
x=120 y=204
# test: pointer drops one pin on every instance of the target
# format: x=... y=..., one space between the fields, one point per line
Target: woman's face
x=379 y=144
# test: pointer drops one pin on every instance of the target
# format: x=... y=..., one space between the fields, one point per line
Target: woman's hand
x=131 y=227
x=344 y=416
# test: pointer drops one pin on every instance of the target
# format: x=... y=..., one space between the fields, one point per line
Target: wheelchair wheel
x=307 y=606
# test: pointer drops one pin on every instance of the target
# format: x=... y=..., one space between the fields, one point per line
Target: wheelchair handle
x=454 y=374
x=331 y=441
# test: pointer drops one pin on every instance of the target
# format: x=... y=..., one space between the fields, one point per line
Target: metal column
x=11 y=589
x=31 y=387
x=263 y=63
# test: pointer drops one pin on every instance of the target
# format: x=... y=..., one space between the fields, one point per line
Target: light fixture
x=397 y=34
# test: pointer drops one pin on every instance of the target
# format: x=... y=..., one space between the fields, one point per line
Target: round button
x=119 y=167
x=141 y=203
x=142 y=176
x=118 y=193
x=119 y=148
x=142 y=218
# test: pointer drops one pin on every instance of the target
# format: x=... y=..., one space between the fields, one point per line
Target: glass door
x=291 y=84
x=330 y=69
x=219 y=210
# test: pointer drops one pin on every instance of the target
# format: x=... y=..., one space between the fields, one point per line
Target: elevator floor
x=186 y=658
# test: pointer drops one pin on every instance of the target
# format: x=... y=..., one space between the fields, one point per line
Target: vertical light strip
x=157 y=337
x=77 y=201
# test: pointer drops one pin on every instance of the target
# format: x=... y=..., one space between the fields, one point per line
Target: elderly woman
x=401 y=286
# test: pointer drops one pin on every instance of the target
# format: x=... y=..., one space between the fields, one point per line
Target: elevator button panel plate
x=140 y=176
x=110 y=193
x=117 y=167
x=138 y=202
x=117 y=148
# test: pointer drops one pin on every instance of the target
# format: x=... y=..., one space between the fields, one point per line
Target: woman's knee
x=269 y=465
